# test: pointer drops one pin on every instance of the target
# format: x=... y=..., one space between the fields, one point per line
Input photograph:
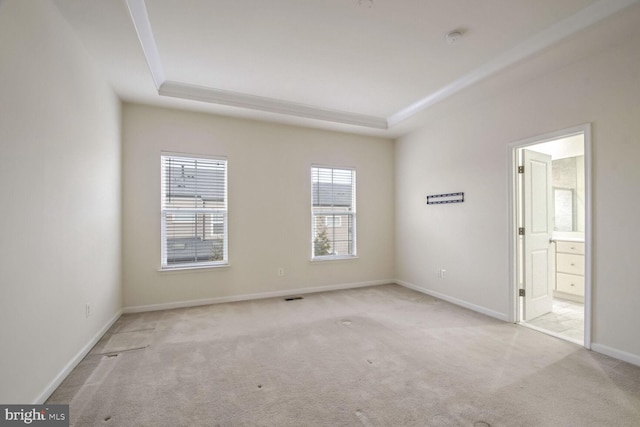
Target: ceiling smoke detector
x=453 y=36
x=365 y=3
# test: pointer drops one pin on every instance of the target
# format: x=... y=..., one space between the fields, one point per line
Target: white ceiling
x=356 y=65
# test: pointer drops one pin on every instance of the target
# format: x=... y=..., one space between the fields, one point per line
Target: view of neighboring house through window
x=333 y=208
x=194 y=211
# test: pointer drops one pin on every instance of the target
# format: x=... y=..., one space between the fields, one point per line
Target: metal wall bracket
x=440 y=199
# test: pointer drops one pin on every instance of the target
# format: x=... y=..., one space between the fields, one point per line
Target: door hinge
x=521 y=231
x=521 y=292
x=520 y=169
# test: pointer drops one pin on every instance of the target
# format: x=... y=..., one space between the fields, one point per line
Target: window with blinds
x=194 y=211
x=333 y=210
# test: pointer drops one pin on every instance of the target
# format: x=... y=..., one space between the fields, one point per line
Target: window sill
x=335 y=258
x=194 y=268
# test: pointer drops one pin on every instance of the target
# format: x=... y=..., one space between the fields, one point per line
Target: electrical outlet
x=280 y=271
x=442 y=273
x=87 y=309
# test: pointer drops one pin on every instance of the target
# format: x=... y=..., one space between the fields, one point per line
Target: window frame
x=320 y=216
x=181 y=212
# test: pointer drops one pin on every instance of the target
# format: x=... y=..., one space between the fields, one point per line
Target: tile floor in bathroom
x=566 y=320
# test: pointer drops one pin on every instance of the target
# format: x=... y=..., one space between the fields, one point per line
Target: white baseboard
x=456 y=301
x=48 y=391
x=247 y=297
x=634 y=359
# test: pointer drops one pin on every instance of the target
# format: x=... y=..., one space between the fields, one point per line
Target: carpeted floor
x=378 y=356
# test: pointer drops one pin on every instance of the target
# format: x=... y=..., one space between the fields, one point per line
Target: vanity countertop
x=567 y=239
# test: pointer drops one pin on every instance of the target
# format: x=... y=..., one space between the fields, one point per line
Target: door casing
x=514 y=269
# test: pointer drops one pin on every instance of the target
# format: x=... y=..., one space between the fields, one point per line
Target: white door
x=538 y=226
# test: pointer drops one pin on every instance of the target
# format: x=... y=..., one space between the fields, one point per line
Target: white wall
x=269 y=205
x=466 y=150
x=60 y=195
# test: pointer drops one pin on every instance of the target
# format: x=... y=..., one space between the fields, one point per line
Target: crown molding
x=140 y=18
x=551 y=35
x=272 y=105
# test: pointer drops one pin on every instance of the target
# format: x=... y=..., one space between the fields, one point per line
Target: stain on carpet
x=127 y=341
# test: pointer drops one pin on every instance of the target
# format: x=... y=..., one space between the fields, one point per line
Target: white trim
x=512 y=149
x=326 y=258
x=271 y=105
x=140 y=18
x=547 y=37
x=456 y=301
x=192 y=267
x=193 y=155
x=588 y=235
x=551 y=136
x=62 y=375
x=634 y=359
x=512 y=237
x=249 y=297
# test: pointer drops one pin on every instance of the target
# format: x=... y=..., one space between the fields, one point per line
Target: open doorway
x=551 y=238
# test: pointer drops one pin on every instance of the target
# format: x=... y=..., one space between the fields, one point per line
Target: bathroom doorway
x=551 y=234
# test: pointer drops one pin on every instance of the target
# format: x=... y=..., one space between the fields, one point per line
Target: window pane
x=193 y=238
x=194 y=183
x=194 y=211
x=333 y=212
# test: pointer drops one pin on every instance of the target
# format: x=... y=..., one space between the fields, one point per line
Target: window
x=333 y=210
x=333 y=221
x=194 y=211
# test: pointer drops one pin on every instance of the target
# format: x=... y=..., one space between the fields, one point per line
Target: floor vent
x=293 y=298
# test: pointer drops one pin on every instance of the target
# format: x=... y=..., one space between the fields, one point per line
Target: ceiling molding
x=140 y=18
x=553 y=34
x=272 y=105
x=561 y=30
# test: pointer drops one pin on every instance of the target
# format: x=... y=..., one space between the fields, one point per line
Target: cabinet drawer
x=569 y=263
x=570 y=284
x=570 y=247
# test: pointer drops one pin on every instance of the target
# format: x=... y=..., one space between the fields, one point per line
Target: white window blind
x=194 y=211
x=333 y=210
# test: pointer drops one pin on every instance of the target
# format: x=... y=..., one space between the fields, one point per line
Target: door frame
x=514 y=270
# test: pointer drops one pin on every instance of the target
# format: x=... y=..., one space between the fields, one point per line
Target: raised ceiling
x=369 y=64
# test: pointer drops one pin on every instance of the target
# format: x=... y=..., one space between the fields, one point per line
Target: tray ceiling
x=368 y=63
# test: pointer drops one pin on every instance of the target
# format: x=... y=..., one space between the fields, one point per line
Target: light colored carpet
x=127 y=341
x=378 y=356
